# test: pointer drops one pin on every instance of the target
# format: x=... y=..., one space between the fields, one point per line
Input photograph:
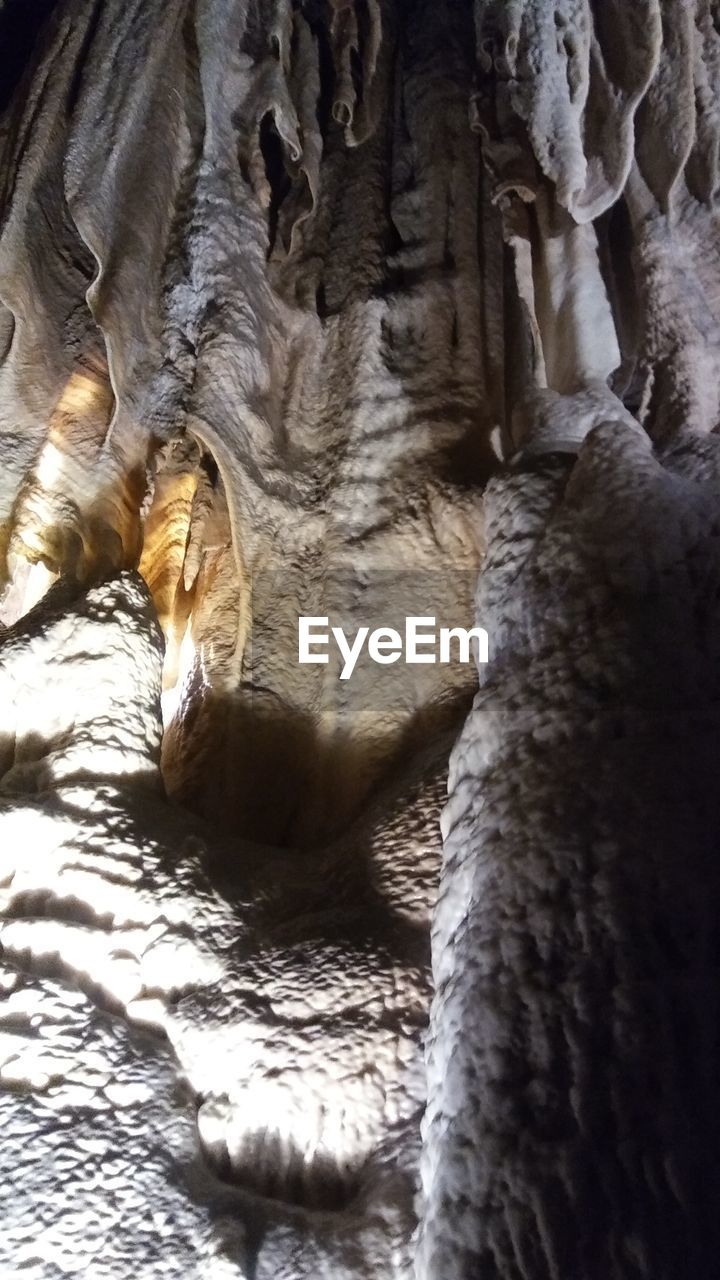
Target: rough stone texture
x=293 y=996
x=571 y=1126
x=327 y=307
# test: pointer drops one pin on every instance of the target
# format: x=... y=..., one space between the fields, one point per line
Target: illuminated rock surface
x=293 y=994
x=284 y=288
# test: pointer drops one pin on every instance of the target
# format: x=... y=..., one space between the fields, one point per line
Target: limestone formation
x=364 y=309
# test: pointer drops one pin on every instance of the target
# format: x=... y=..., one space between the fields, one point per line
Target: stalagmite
x=385 y=315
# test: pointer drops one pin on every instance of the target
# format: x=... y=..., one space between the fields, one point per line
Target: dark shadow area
x=262 y=771
x=21 y=23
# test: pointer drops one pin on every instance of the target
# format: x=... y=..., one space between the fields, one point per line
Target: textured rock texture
x=293 y=995
x=348 y=307
x=571 y=1126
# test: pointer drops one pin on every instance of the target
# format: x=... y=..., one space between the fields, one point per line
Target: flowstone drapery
x=370 y=308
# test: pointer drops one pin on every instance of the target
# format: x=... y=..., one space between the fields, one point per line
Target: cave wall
x=353 y=308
